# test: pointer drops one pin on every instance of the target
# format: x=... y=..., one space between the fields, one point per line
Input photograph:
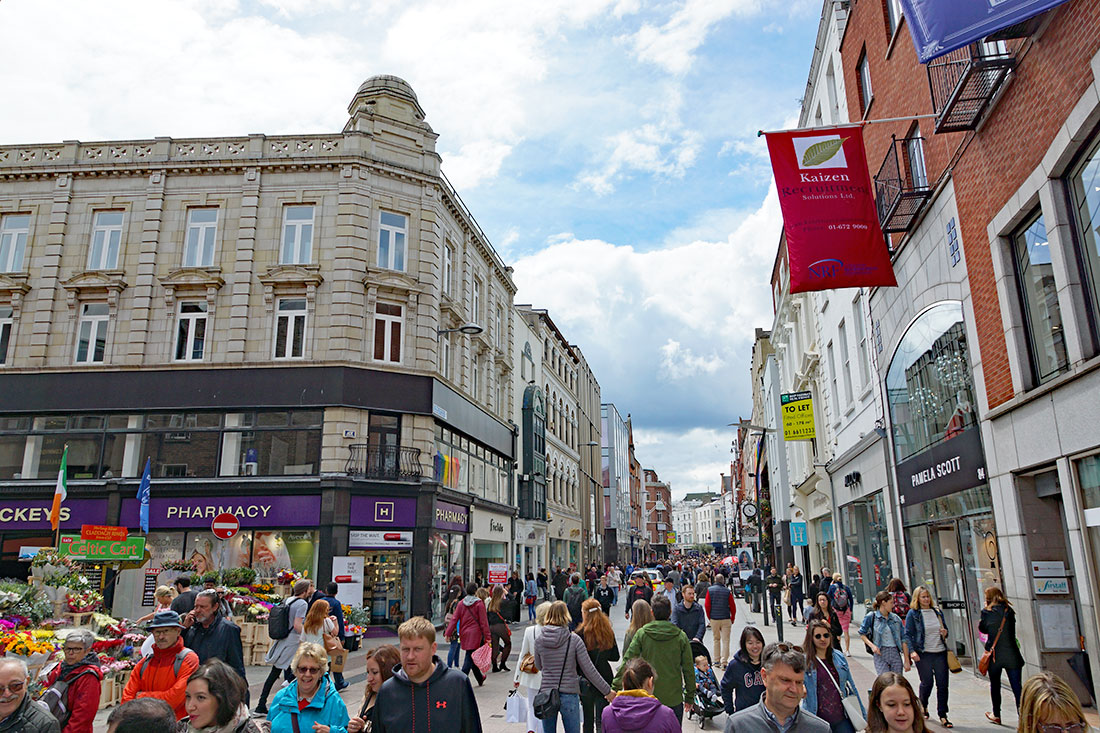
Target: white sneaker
x=847 y=654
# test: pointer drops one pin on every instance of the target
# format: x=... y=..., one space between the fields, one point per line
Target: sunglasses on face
x=309 y=670
x=14 y=687
x=1055 y=728
x=822 y=636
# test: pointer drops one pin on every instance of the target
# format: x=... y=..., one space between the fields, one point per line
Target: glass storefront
x=487 y=552
x=448 y=561
x=386 y=585
x=1088 y=474
x=866 y=546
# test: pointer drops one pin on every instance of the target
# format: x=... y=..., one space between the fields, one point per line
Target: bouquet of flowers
x=286 y=576
x=258 y=611
x=182 y=566
x=84 y=601
x=23 y=644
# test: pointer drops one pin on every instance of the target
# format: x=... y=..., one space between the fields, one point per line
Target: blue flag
x=941 y=26
x=143 y=495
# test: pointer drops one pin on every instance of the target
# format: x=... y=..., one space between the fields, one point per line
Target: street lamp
x=469 y=328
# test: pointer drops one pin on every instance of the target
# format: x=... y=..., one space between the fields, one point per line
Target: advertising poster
x=208 y=553
x=347 y=573
x=498 y=573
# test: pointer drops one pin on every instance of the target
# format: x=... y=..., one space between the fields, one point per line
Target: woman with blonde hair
x=998 y=623
x=163 y=597
x=310 y=702
x=641 y=613
x=499 y=631
x=527 y=674
x=380 y=663
x=599 y=638
x=1048 y=705
x=927 y=634
x=558 y=654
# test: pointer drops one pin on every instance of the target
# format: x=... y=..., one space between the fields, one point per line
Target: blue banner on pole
x=941 y=26
x=143 y=496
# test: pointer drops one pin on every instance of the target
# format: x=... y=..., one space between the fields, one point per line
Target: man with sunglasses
x=783 y=673
x=18 y=713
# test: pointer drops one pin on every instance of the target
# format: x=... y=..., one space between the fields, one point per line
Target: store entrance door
x=957 y=560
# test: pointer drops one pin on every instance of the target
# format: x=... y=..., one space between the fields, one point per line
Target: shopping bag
x=514 y=712
x=483 y=658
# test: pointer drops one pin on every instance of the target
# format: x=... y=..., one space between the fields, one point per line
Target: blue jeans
x=530 y=611
x=453 y=653
x=570 y=715
x=614 y=596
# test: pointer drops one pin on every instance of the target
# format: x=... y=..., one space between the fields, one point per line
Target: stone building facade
x=267 y=320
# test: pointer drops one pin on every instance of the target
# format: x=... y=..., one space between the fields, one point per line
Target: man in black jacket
x=185 y=601
x=424 y=694
x=560 y=582
x=604 y=595
x=212 y=636
x=688 y=616
x=640 y=591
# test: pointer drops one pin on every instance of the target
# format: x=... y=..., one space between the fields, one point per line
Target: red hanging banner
x=833 y=235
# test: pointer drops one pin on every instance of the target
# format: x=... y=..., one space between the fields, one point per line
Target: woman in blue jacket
x=828 y=679
x=314 y=687
x=884 y=634
x=928 y=649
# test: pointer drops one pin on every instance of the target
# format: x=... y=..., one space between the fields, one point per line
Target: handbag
x=527 y=664
x=482 y=657
x=583 y=683
x=513 y=708
x=990 y=655
x=547 y=703
x=852 y=708
x=953 y=664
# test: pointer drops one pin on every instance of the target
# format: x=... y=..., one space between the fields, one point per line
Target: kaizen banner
x=941 y=26
x=833 y=235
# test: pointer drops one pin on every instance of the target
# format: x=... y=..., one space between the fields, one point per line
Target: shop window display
x=448 y=561
x=386 y=586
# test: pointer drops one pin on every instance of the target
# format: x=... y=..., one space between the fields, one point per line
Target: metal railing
x=389 y=462
x=901 y=184
x=964 y=82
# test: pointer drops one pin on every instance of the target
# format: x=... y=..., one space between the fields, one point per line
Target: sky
x=607 y=147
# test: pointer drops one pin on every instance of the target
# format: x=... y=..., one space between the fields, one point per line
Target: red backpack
x=901 y=603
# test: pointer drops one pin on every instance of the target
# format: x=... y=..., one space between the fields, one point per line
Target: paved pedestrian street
x=968 y=703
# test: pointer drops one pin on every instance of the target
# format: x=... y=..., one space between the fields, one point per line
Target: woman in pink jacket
x=473 y=630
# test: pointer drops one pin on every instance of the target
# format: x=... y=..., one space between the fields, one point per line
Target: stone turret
x=386 y=108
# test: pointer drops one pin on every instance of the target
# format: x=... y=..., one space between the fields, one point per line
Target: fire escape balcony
x=964 y=82
x=901 y=185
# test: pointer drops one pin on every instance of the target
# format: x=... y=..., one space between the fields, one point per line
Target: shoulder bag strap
x=565 y=662
x=993 y=649
x=294 y=722
x=363 y=710
x=835 y=681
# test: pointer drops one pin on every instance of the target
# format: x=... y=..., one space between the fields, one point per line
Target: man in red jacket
x=472 y=623
x=165 y=672
x=82 y=673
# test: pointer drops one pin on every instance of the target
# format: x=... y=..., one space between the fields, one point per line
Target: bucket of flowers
x=34 y=651
x=284 y=580
x=47 y=563
x=84 y=601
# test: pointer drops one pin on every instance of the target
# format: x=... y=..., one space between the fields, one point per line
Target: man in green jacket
x=666 y=648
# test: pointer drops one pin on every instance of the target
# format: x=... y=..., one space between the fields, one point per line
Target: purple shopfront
x=382 y=534
x=25 y=523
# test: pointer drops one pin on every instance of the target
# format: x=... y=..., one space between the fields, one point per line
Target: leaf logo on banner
x=822 y=152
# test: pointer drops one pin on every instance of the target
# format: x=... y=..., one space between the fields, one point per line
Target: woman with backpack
x=884 y=635
x=471 y=624
x=599 y=639
x=841 y=599
x=287 y=618
x=902 y=599
x=73 y=686
x=998 y=622
x=558 y=655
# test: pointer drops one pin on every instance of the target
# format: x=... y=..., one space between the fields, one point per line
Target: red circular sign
x=225 y=525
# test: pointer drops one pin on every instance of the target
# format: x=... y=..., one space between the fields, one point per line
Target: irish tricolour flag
x=60 y=493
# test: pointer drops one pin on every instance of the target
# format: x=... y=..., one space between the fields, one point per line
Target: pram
x=704 y=709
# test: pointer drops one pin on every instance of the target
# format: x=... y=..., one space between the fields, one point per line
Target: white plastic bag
x=514 y=708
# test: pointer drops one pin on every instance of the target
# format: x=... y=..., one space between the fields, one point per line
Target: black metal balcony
x=383 y=462
x=964 y=82
x=901 y=185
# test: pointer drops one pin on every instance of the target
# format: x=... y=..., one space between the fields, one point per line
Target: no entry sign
x=225 y=525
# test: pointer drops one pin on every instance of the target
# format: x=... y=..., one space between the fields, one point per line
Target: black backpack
x=575 y=596
x=56 y=697
x=278 y=621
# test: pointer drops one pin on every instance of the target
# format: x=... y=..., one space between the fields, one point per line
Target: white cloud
x=691 y=460
x=672 y=45
x=680 y=362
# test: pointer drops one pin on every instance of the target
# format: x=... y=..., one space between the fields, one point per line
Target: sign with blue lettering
x=799 y=536
x=941 y=26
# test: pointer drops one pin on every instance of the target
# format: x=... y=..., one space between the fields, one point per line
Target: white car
x=656 y=580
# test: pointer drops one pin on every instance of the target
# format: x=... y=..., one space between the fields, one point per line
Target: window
x=14 y=230
x=191 y=332
x=845 y=361
x=391 y=241
x=1085 y=187
x=448 y=267
x=6 y=324
x=865 y=93
x=860 y=330
x=914 y=151
x=445 y=356
x=202 y=226
x=106 y=240
x=475 y=377
x=290 y=328
x=834 y=96
x=832 y=381
x=91 y=343
x=387 y=332
x=297 y=236
x=893 y=16
x=475 y=302
x=500 y=327
x=1039 y=299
